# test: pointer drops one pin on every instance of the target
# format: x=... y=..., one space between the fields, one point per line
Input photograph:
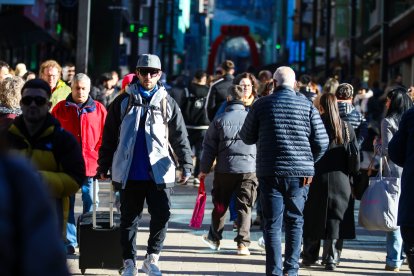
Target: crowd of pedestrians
x=278 y=141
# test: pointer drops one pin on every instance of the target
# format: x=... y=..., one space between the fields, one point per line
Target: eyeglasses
x=245 y=85
x=145 y=72
x=39 y=101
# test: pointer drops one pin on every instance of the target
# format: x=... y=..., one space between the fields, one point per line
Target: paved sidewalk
x=185 y=254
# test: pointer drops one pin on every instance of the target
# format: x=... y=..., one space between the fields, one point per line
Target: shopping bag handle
x=202 y=188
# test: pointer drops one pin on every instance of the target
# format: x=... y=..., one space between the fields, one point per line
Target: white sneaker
x=215 y=245
x=261 y=243
x=243 y=250
x=129 y=268
x=150 y=265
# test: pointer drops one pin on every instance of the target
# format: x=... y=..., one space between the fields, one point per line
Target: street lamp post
x=353 y=38
x=328 y=38
x=82 y=46
x=384 y=41
x=314 y=30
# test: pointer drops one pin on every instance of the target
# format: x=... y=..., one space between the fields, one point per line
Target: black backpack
x=194 y=111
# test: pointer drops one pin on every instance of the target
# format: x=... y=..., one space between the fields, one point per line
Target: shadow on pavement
x=207 y=273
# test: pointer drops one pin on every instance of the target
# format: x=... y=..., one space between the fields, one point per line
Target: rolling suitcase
x=99 y=237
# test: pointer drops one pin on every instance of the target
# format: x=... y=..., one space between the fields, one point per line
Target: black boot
x=310 y=251
x=331 y=254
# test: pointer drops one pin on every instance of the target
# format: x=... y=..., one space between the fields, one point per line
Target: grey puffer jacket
x=222 y=141
x=288 y=132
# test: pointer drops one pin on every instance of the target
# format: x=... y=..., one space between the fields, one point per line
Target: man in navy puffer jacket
x=290 y=137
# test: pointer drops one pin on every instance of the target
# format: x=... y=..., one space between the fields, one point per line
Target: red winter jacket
x=86 y=124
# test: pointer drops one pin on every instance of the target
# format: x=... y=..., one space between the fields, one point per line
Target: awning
x=19 y=30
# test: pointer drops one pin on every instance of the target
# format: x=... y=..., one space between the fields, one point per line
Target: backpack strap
x=165 y=118
x=128 y=107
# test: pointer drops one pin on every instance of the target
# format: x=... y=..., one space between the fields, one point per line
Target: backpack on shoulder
x=194 y=112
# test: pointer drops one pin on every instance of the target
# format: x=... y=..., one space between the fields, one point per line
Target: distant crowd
x=276 y=142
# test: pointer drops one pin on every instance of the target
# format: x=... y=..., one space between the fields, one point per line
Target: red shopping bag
x=198 y=213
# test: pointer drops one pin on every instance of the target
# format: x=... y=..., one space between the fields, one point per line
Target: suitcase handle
x=111 y=205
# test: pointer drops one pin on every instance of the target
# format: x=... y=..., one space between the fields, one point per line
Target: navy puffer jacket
x=289 y=134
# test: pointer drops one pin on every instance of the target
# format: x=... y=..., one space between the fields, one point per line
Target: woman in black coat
x=329 y=210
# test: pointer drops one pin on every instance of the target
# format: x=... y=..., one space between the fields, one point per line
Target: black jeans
x=331 y=253
x=407 y=234
x=196 y=141
x=132 y=204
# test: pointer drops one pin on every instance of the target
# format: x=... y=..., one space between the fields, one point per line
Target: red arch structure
x=233 y=31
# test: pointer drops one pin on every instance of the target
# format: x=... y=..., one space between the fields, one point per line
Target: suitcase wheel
x=83 y=271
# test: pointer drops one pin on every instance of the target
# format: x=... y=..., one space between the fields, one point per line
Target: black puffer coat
x=218 y=94
x=329 y=210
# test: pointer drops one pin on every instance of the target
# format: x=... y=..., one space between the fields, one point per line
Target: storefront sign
x=36 y=13
x=402 y=49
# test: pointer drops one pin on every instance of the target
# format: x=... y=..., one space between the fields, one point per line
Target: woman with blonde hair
x=10 y=95
x=330 y=87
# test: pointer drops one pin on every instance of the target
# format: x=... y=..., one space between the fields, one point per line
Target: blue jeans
x=394 y=249
x=232 y=208
x=87 y=195
x=71 y=224
x=87 y=198
x=282 y=198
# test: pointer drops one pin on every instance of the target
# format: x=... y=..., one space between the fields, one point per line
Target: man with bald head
x=290 y=138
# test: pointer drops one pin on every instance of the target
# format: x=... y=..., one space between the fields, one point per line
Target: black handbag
x=352 y=152
x=360 y=181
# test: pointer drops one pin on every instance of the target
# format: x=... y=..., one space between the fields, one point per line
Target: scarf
x=147 y=94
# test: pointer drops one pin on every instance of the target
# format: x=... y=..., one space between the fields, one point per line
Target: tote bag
x=378 y=209
x=198 y=213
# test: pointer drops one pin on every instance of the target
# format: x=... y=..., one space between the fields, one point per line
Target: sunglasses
x=39 y=101
x=145 y=72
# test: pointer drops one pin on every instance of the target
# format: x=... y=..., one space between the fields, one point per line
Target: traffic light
x=278 y=46
x=142 y=31
x=58 y=28
x=161 y=37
